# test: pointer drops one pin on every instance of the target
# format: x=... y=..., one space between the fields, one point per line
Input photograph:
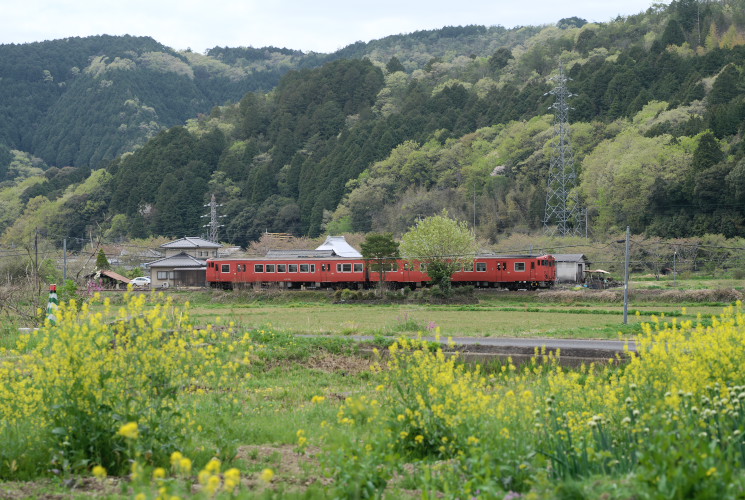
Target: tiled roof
x=191 y=242
x=180 y=260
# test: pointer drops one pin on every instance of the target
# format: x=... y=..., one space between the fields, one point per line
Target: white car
x=141 y=281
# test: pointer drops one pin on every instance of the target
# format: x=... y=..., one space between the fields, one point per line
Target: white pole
x=626 y=281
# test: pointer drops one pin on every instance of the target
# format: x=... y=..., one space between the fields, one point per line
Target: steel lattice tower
x=214 y=224
x=563 y=214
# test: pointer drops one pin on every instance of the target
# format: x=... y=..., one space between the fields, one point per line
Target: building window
x=166 y=275
x=225 y=268
x=258 y=268
x=270 y=268
x=481 y=267
x=519 y=266
x=281 y=268
x=293 y=268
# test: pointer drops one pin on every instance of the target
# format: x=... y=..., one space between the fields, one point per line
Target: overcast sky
x=321 y=25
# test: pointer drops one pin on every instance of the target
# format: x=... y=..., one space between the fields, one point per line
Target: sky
x=320 y=25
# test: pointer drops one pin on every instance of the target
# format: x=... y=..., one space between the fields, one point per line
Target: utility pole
x=563 y=214
x=64 y=261
x=626 y=280
x=36 y=257
x=675 y=273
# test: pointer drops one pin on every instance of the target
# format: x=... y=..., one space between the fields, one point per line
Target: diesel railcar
x=322 y=269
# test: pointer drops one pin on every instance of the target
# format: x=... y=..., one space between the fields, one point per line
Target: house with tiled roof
x=192 y=245
x=184 y=264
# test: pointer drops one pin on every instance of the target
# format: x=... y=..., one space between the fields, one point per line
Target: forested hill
x=81 y=101
x=370 y=144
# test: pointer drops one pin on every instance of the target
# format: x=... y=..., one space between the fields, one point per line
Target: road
x=532 y=343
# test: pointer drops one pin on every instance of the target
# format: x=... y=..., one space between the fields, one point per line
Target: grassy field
x=312 y=417
x=498 y=314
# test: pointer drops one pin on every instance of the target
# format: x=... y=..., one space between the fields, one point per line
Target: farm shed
x=108 y=279
x=571 y=267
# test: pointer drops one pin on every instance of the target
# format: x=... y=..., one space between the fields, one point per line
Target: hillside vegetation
x=403 y=127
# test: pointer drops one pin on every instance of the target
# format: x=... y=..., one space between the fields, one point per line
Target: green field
x=498 y=314
x=301 y=417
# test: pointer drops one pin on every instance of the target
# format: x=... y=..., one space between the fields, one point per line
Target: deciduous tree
x=380 y=251
x=444 y=244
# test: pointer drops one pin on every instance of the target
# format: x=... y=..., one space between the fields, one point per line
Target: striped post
x=52 y=305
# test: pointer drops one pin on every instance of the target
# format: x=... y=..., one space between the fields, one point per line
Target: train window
x=292 y=268
x=323 y=267
x=270 y=268
x=346 y=268
x=304 y=268
x=225 y=268
x=468 y=266
x=241 y=268
x=481 y=266
x=281 y=268
x=312 y=268
x=499 y=266
x=423 y=267
x=519 y=266
x=532 y=265
x=358 y=268
x=258 y=268
x=338 y=268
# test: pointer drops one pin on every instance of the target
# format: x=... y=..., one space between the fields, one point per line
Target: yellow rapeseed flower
x=99 y=472
x=267 y=475
x=129 y=431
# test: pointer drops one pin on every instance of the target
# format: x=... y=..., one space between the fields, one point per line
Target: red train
x=323 y=269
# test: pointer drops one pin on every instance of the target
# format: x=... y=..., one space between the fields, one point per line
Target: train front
x=545 y=271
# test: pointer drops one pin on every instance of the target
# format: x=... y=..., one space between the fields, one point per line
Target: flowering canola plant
x=67 y=385
x=670 y=415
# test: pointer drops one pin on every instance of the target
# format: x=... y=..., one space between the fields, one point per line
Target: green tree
x=444 y=244
x=101 y=261
x=394 y=65
x=380 y=251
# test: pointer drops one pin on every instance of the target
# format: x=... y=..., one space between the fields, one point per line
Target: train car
x=323 y=269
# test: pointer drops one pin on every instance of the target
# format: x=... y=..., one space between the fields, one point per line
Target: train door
x=324 y=273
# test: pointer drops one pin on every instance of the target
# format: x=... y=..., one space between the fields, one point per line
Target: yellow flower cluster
x=685 y=380
x=92 y=368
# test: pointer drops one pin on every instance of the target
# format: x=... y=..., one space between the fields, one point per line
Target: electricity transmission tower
x=563 y=214
x=214 y=219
